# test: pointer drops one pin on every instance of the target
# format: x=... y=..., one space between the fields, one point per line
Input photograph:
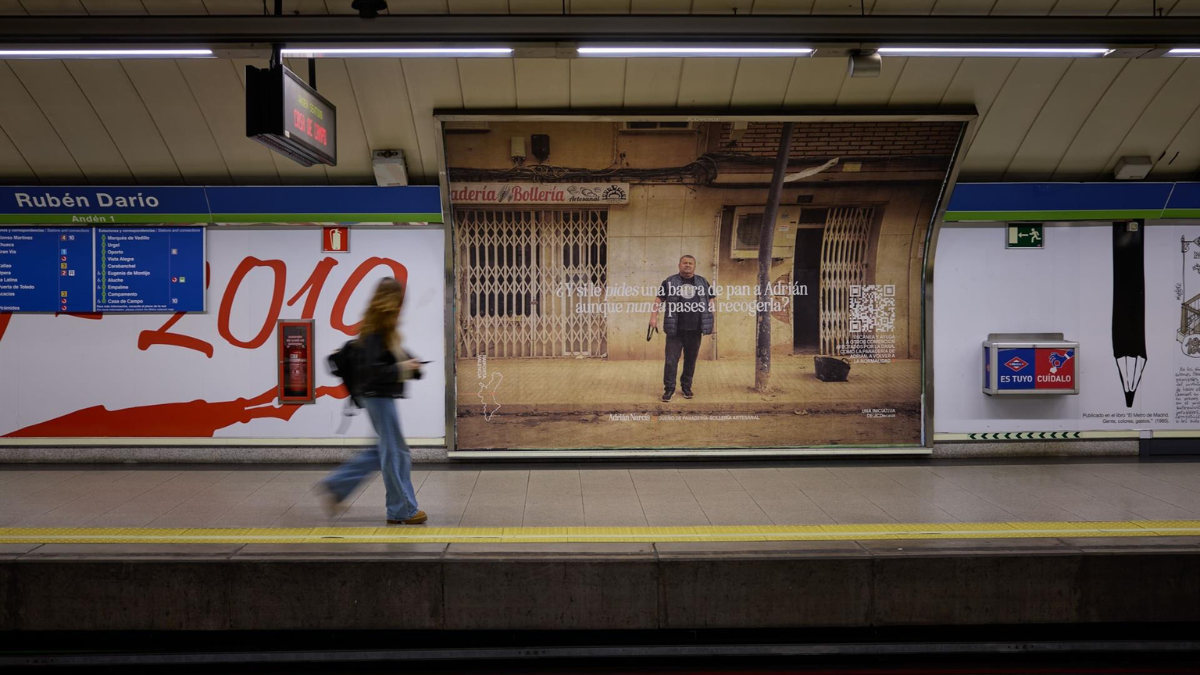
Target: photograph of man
x=689 y=315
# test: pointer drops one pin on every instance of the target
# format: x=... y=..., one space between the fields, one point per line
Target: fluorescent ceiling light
x=368 y=52
x=104 y=53
x=1184 y=51
x=996 y=51
x=695 y=51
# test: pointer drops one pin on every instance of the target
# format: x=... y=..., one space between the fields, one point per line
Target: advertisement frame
x=967 y=115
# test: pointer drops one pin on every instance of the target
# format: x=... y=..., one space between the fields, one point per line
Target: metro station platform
x=604 y=546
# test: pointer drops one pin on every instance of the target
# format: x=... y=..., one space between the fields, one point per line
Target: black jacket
x=379 y=371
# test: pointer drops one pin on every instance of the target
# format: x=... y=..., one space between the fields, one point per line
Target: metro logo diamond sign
x=1015 y=364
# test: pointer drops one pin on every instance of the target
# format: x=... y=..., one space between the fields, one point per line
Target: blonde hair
x=383 y=312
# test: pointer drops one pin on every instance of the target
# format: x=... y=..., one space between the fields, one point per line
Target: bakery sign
x=539 y=193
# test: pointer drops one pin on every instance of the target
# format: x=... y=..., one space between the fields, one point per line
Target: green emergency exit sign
x=1026 y=235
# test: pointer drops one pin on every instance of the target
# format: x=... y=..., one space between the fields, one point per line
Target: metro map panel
x=46 y=269
x=108 y=269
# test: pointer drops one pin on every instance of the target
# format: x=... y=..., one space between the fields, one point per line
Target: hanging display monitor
x=45 y=269
x=290 y=117
x=149 y=269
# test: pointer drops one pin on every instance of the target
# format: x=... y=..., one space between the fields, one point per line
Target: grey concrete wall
x=633 y=587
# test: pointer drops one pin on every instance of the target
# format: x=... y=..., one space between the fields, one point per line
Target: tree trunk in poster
x=766 y=245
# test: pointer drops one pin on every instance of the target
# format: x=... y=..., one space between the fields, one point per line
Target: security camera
x=369 y=9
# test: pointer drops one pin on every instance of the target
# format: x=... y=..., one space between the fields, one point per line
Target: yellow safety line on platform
x=420 y=534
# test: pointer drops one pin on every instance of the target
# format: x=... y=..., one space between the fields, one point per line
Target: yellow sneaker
x=418 y=518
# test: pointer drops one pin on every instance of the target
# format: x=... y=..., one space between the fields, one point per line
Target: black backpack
x=344 y=363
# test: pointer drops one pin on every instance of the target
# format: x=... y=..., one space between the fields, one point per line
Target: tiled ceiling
x=164 y=122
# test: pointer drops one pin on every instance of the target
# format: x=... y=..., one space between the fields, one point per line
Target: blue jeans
x=391 y=456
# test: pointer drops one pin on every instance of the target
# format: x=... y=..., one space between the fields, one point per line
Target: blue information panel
x=150 y=269
x=1016 y=368
x=46 y=269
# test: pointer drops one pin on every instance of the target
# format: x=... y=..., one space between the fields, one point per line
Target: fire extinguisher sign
x=296 y=381
x=335 y=240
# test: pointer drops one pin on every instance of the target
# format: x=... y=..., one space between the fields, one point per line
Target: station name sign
x=539 y=193
x=80 y=205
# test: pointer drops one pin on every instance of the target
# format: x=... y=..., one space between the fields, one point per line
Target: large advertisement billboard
x=608 y=284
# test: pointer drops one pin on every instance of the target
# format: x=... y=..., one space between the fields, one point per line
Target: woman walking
x=383 y=368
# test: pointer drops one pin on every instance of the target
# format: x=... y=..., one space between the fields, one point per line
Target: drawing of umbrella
x=1129 y=306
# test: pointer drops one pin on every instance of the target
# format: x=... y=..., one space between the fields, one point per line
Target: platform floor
x=609 y=495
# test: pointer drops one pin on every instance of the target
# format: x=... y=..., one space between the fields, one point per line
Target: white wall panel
x=51 y=7
x=707 y=82
x=432 y=84
x=176 y=114
x=743 y=7
x=840 y=7
x=1182 y=156
x=816 y=81
x=599 y=7
x=1022 y=7
x=924 y=81
x=1083 y=7
x=29 y=130
x=903 y=6
x=488 y=83
x=1114 y=115
x=652 y=82
x=1164 y=118
x=76 y=123
x=235 y=6
x=762 y=82
x=382 y=96
x=478 y=6
x=1013 y=112
x=782 y=7
x=597 y=83
x=543 y=83
x=1061 y=117
x=113 y=6
x=189 y=7
x=963 y=7
x=13 y=166
x=113 y=97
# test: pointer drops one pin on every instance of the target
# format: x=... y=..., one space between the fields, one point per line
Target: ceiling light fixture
x=633 y=51
x=1066 y=52
x=408 y=52
x=105 y=53
x=1184 y=52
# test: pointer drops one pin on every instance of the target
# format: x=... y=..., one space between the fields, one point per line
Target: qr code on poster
x=873 y=308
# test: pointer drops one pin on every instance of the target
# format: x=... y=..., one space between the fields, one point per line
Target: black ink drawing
x=1129 y=306
x=1189 y=311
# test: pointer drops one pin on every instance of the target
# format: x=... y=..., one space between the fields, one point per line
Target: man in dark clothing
x=689 y=315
